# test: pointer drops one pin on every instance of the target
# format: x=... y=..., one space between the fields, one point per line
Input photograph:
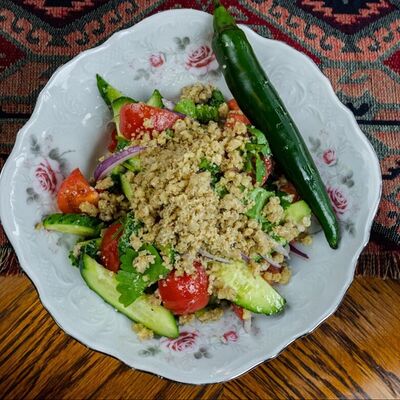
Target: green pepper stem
x=222 y=18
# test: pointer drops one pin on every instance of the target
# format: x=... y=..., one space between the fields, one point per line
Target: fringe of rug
x=9 y=264
x=385 y=265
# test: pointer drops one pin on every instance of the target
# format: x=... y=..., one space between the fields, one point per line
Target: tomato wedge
x=185 y=294
x=132 y=119
x=235 y=115
x=75 y=190
x=109 y=247
x=233 y=105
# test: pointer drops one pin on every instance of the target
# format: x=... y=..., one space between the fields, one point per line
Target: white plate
x=67 y=130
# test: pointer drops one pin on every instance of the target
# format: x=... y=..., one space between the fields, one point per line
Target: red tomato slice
x=236 y=116
x=113 y=142
x=132 y=117
x=109 y=247
x=233 y=105
x=185 y=294
x=74 y=190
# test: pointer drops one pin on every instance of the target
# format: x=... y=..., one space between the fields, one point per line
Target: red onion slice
x=212 y=257
x=168 y=104
x=272 y=262
x=245 y=258
x=298 y=252
x=284 y=250
x=109 y=163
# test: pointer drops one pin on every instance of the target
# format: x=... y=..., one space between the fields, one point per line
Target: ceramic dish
x=68 y=130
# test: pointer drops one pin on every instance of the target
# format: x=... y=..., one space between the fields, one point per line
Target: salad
x=186 y=216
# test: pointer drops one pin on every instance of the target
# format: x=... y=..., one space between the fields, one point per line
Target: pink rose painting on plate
x=201 y=60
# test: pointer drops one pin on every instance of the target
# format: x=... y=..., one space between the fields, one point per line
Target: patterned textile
x=356 y=43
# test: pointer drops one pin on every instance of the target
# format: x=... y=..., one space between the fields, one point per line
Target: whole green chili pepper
x=261 y=103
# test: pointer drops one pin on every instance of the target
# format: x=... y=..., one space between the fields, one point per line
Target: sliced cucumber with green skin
x=76 y=224
x=252 y=292
x=187 y=107
x=155 y=100
x=107 y=92
x=297 y=211
x=126 y=187
x=152 y=316
x=116 y=106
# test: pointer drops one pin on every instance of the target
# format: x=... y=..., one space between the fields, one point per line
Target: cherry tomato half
x=233 y=105
x=109 y=247
x=185 y=294
x=132 y=118
x=75 y=190
x=235 y=114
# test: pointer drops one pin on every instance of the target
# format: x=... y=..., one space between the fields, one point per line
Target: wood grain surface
x=355 y=354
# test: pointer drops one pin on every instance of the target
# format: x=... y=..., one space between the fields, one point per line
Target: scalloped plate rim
x=9 y=223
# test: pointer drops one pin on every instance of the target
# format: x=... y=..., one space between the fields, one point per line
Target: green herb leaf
x=157 y=270
x=131 y=282
x=260 y=197
x=122 y=143
x=217 y=98
x=89 y=247
x=257 y=136
x=221 y=190
x=131 y=225
x=213 y=169
x=261 y=171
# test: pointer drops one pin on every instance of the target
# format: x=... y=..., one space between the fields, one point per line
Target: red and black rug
x=356 y=43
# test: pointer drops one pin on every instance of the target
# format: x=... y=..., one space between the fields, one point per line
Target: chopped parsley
x=213 y=169
x=122 y=143
x=255 y=154
x=217 y=98
x=131 y=283
x=89 y=247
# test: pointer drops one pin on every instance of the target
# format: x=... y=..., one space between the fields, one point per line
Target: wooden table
x=355 y=354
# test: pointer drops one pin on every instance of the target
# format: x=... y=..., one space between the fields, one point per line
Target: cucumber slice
x=297 y=211
x=187 y=107
x=76 y=224
x=107 y=92
x=103 y=282
x=252 y=292
x=155 y=100
x=116 y=106
x=126 y=187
